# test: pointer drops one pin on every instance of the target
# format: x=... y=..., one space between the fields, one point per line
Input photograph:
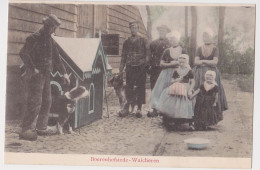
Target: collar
x=183 y=71
x=43 y=34
x=208 y=86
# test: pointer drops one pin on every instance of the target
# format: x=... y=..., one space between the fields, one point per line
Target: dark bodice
x=215 y=53
x=185 y=78
x=212 y=92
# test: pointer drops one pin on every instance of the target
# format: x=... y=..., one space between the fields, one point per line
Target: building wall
x=77 y=21
x=25 y=19
x=85 y=21
x=119 y=17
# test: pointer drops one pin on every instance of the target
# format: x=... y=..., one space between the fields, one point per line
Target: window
x=91 y=98
x=110 y=43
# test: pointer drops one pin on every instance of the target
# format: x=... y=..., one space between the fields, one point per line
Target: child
x=67 y=106
x=205 y=112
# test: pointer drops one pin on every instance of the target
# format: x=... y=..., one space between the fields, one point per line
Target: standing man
x=40 y=54
x=134 y=58
x=157 y=48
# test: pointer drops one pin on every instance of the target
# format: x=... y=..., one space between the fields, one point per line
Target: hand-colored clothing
x=199 y=74
x=185 y=79
x=165 y=77
x=214 y=53
x=173 y=106
x=171 y=54
x=205 y=112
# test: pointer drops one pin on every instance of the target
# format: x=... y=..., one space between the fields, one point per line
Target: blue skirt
x=176 y=107
x=163 y=81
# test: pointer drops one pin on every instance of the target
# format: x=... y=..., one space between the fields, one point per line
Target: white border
x=3 y=64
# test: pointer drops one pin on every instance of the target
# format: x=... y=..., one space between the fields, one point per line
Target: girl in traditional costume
x=206 y=102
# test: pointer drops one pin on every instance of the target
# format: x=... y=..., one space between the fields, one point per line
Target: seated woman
x=174 y=103
x=207 y=59
x=169 y=62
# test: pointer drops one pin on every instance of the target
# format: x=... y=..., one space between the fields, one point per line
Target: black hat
x=51 y=20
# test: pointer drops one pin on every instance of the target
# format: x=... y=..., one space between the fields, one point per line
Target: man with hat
x=134 y=58
x=157 y=48
x=40 y=55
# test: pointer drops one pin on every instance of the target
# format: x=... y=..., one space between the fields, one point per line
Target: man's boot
x=29 y=134
x=125 y=111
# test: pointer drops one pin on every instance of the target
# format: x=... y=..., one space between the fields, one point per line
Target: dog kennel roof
x=82 y=51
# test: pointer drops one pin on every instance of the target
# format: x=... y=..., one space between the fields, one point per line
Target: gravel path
x=146 y=136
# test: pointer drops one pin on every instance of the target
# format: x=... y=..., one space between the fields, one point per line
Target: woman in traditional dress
x=207 y=59
x=174 y=103
x=169 y=62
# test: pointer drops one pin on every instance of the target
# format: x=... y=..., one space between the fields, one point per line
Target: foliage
x=184 y=43
x=246 y=84
x=156 y=12
x=232 y=60
x=244 y=81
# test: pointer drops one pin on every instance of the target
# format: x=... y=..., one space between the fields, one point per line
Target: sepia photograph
x=130 y=84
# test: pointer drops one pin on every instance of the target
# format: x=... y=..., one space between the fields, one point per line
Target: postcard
x=129 y=84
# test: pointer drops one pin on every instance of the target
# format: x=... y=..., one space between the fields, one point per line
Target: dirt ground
x=232 y=137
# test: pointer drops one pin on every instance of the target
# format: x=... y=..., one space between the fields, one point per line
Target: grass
x=244 y=81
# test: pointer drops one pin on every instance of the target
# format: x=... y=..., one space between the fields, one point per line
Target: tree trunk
x=186 y=22
x=149 y=23
x=193 y=40
x=186 y=38
x=221 y=32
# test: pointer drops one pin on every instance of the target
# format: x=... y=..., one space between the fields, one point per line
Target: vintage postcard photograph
x=130 y=84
